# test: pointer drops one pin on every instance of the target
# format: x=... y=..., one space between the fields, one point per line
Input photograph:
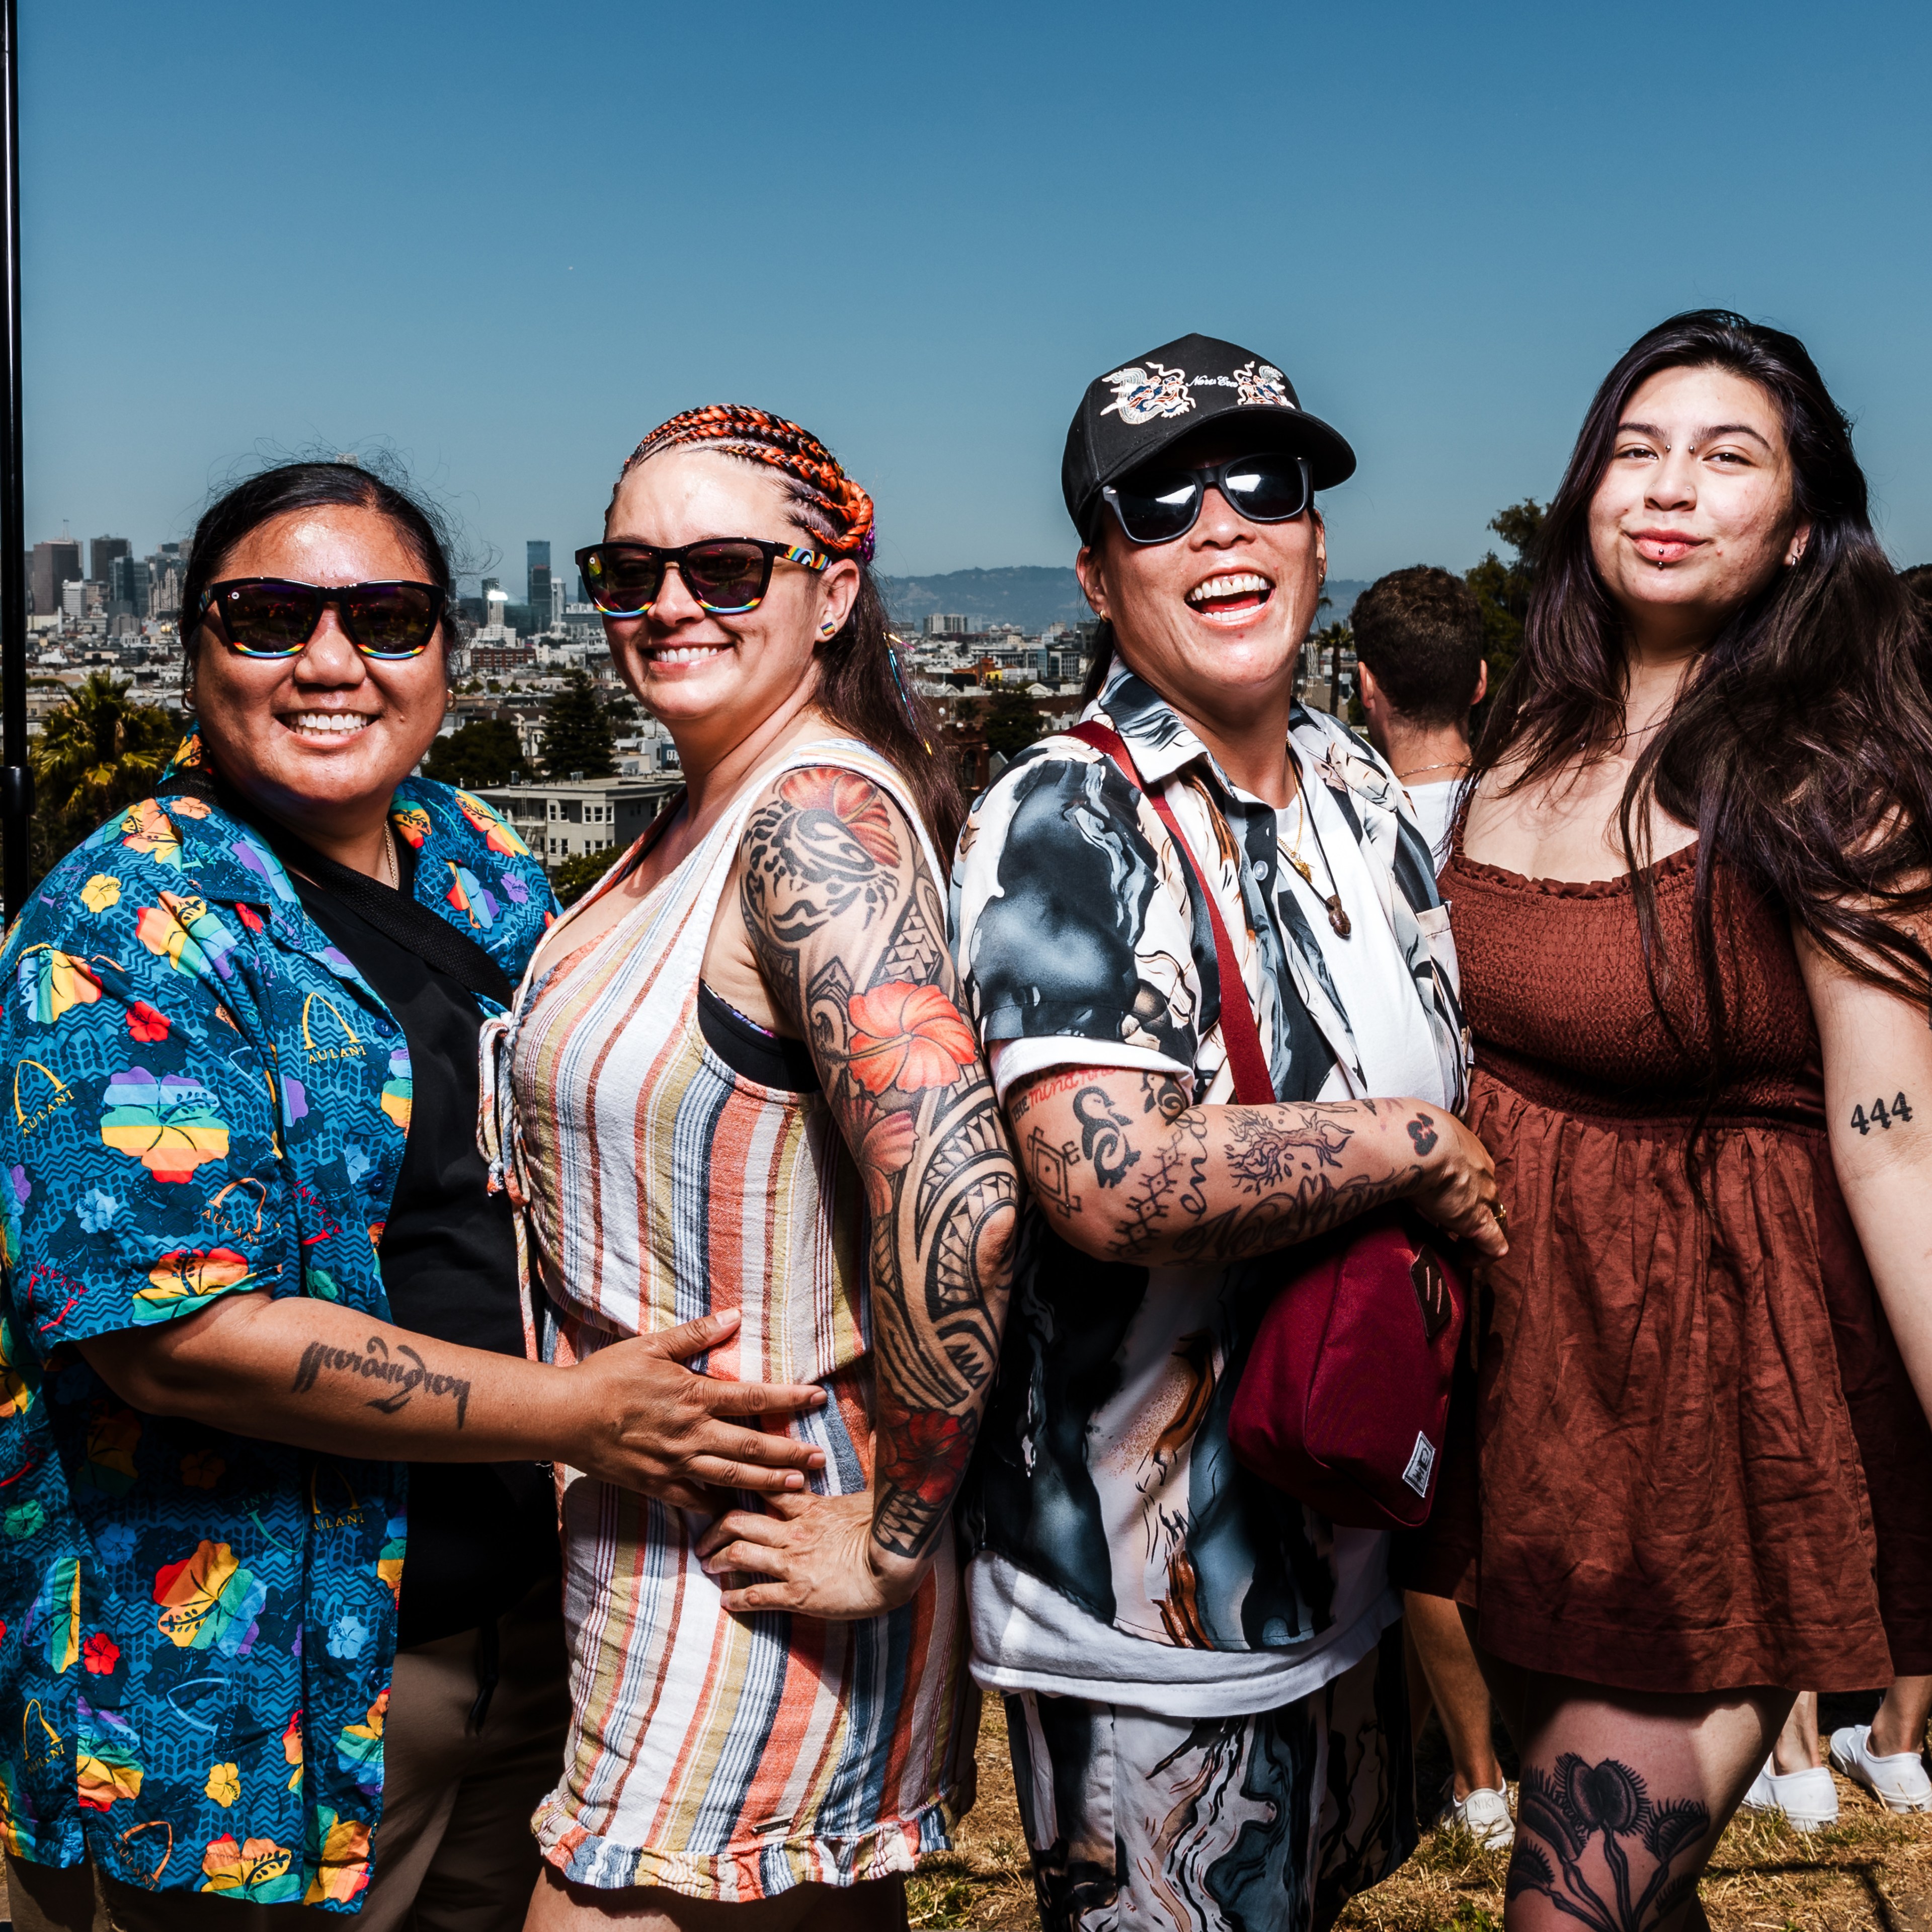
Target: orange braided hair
x=737 y=430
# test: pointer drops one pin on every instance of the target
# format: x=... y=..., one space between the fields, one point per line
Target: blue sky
x=505 y=241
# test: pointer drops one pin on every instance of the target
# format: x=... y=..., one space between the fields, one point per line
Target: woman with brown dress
x=1690 y=894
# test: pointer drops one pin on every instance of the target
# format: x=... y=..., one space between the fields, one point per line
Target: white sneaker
x=1808 y=1798
x=1484 y=1815
x=1898 y=1782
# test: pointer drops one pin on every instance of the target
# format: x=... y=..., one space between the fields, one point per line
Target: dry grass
x=986 y=1880
x=1870 y=1872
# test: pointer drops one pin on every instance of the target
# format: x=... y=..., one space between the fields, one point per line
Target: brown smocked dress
x=1698 y=1463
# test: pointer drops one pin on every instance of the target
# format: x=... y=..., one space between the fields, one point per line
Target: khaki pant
x=454 y=1853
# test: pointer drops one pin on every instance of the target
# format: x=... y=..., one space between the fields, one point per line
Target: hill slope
x=1031 y=595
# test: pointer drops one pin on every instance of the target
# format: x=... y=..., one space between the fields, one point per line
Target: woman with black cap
x=1204 y=1677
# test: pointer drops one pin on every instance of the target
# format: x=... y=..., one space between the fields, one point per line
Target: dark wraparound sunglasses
x=275 y=617
x=1155 y=506
x=726 y=575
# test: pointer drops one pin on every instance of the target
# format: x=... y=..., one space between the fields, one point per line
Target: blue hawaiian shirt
x=197 y=1628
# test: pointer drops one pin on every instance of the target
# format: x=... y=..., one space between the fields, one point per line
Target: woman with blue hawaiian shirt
x=261 y=1335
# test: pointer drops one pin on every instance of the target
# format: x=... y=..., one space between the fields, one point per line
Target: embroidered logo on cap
x=1263 y=383
x=1139 y=397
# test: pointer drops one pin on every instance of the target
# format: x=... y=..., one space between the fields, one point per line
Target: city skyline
x=1444 y=224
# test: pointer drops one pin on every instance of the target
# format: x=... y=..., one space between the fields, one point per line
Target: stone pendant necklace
x=1337 y=918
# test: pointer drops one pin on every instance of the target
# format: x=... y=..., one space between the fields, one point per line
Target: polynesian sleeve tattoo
x=846 y=923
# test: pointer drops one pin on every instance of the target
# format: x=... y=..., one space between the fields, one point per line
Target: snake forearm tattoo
x=1202 y=1185
x=845 y=919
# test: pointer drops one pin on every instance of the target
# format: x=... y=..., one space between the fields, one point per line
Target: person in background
x=278 y=1570
x=1420 y=666
x=736 y=1082
x=1421 y=670
x=1205 y=1691
x=1689 y=893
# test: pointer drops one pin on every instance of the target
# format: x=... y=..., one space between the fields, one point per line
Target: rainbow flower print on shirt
x=167 y=1122
x=53 y=983
x=184 y=932
x=209 y=1601
x=187 y=1275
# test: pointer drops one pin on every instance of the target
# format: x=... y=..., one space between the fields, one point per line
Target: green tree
x=1011 y=723
x=484 y=752
x=581 y=730
x=1503 y=589
x=99 y=752
x=575 y=877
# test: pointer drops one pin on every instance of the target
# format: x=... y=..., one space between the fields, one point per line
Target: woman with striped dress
x=737 y=1085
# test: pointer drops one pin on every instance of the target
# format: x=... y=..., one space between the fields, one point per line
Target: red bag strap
x=1254 y=1084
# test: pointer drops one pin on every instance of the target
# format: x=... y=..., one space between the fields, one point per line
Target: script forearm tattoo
x=847 y=925
x=1198 y=1184
x=403 y=1373
x=1561 y=1816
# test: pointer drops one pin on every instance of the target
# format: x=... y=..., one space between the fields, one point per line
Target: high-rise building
x=536 y=593
x=54 y=564
x=100 y=555
x=127 y=587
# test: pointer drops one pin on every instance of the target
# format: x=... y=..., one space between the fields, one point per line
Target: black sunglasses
x=274 y=617
x=726 y=575
x=1155 y=506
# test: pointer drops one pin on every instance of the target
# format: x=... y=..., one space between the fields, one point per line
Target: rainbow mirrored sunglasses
x=275 y=617
x=726 y=575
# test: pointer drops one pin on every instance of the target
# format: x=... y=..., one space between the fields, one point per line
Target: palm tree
x=99 y=752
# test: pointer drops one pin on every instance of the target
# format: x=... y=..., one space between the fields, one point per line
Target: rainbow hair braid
x=739 y=431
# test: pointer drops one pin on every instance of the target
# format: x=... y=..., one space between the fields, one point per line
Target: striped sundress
x=726 y=1757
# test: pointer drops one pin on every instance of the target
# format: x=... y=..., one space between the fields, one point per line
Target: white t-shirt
x=1026 y=1635
x=1435 y=806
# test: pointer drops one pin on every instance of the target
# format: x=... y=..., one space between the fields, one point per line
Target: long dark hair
x=1800 y=746
x=288 y=487
x=867 y=690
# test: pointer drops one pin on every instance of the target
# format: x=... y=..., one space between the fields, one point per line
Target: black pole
x=16 y=784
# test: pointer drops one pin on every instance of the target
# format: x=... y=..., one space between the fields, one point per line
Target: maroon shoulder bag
x=1345 y=1396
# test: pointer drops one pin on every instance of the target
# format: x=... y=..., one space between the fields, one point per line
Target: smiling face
x=1693 y=517
x=718 y=677
x=1215 y=619
x=326 y=737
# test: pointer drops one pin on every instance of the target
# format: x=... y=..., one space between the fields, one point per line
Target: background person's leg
x=55 y=1898
x=1900 y=1725
x=1797 y=1746
x=484 y=1863
x=1455 y=1687
x=1623 y=1799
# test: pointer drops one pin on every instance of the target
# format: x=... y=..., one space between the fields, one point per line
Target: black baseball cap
x=1136 y=411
